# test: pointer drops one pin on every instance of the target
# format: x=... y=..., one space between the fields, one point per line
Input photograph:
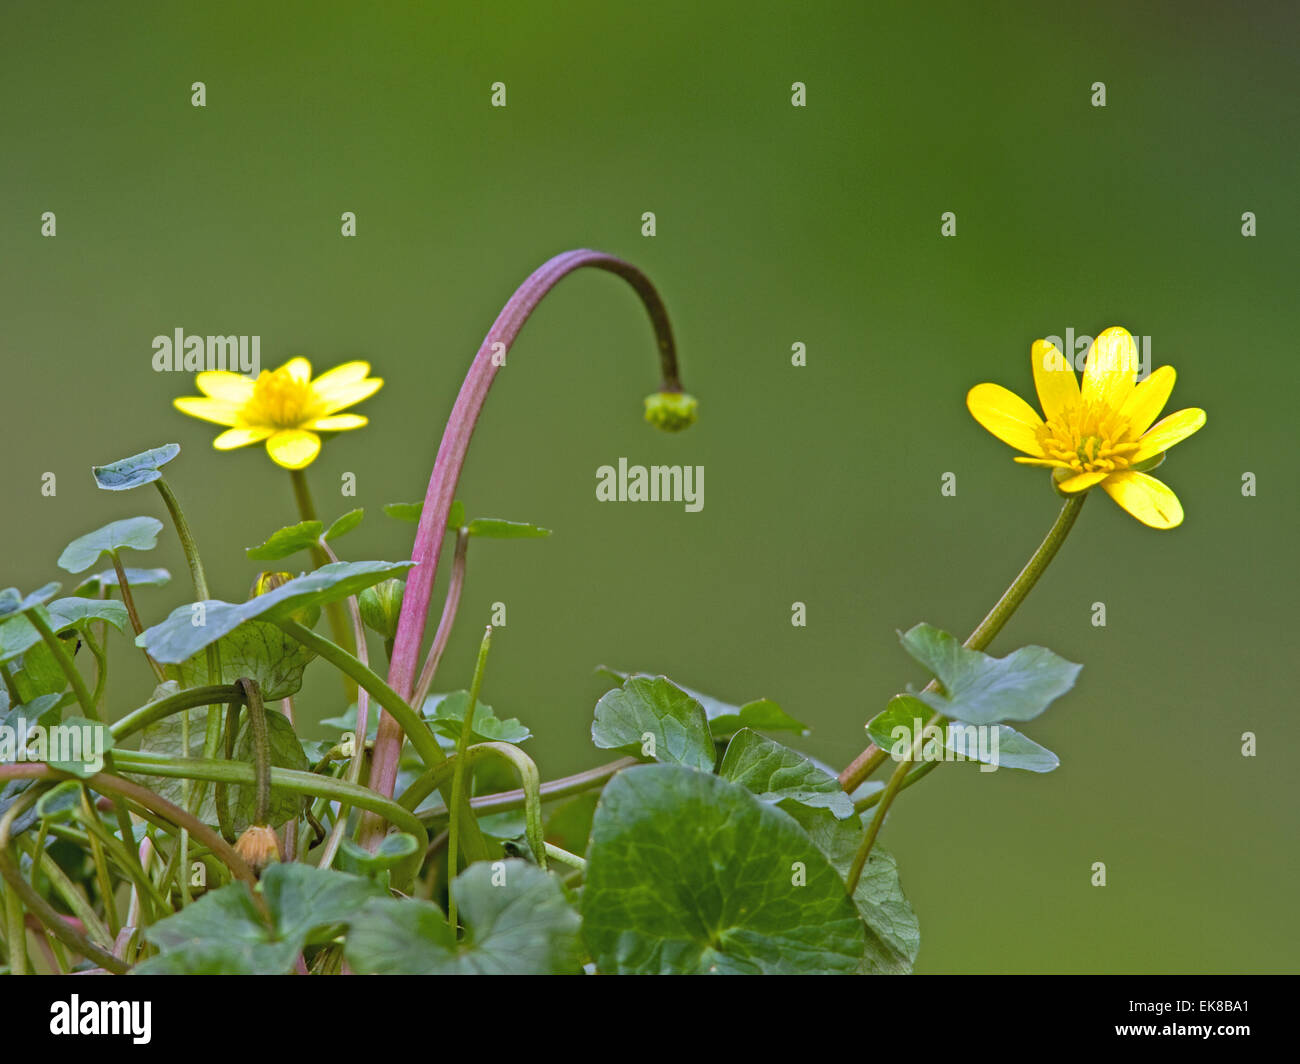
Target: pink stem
x=451 y=457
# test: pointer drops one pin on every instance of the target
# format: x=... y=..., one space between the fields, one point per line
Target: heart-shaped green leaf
x=137 y=533
x=776 y=773
x=652 y=718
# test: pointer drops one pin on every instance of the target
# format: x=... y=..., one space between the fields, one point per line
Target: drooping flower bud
x=259 y=848
x=671 y=411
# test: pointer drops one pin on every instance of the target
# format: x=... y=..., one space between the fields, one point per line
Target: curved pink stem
x=451 y=457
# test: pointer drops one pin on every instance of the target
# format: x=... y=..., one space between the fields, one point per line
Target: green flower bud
x=381 y=605
x=671 y=411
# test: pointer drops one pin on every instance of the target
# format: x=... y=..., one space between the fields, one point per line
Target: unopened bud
x=671 y=411
x=381 y=606
x=259 y=847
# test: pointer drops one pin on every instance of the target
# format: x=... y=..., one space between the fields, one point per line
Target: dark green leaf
x=224 y=932
x=137 y=533
x=724 y=718
x=286 y=752
x=980 y=689
x=285 y=541
x=60 y=804
x=132 y=472
x=517 y=922
x=653 y=719
x=776 y=773
x=446 y=715
x=188 y=630
x=691 y=873
x=892 y=934
x=259 y=651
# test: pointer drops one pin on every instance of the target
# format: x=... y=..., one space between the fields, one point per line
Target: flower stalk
x=451 y=457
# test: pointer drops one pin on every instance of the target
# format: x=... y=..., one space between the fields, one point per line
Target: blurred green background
x=776 y=225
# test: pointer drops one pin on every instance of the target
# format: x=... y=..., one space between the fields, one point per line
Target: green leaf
x=495 y=528
x=724 y=718
x=517 y=922
x=60 y=804
x=78 y=613
x=446 y=715
x=285 y=541
x=985 y=690
x=691 y=873
x=12 y=602
x=345 y=524
x=258 y=650
x=142 y=468
x=898 y=723
x=893 y=936
x=17 y=634
x=411 y=511
x=187 y=630
x=225 y=933
x=1009 y=749
x=138 y=533
x=392 y=851
x=286 y=752
x=653 y=719
x=41 y=674
x=77 y=746
x=776 y=773
x=134 y=577
x=166 y=737
x=43 y=711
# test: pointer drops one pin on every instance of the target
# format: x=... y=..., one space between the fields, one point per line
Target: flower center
x=1089 y=438
x=280 y=400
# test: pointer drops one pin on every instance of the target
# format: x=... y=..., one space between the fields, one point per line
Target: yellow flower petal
x=1045 y=463
x=240 y=437
x=221 y=384
x=1146 y=401
x=337 y=423
x=1165 y=433
x=347 y=394
x=299 y=369
x=1054 y=379
x=347 y=373
x=1146 y=498
x=1007 y=416
x=1111 y=368
x=1081 y=482
x=218 y=411
x=293 y=448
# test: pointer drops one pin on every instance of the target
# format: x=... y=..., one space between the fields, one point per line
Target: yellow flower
x=1101 y=433
x=284 y=407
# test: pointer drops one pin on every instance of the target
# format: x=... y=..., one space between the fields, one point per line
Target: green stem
x=985 y=632
x=565 y=857
x=16 y=933
x=333 y=610
x=551 y=790
x=152 y=712
x=261 y=742
x=309 y=783
x=892 y=788
x=459 y=810
x=128 y=600
x=102 y=876
x=64 y=659
x=983 y=635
